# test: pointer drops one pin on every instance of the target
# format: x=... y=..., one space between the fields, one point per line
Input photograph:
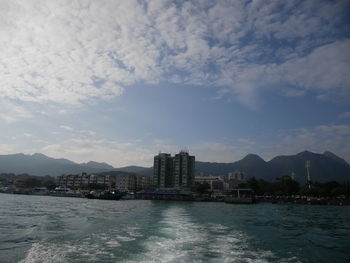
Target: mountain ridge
x=326 y=166
x=323 y=167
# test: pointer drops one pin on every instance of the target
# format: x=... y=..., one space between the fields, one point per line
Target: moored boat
x=113 y=195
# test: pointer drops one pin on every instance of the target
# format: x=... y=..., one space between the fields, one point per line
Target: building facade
x=235 y=178
x=82 y=180
x=123 y=182
x=184 y=168
x=144 y=182
x=216 y=183
x=163 y=171
x=174 y=172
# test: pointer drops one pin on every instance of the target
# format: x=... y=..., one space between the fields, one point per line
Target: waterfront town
x=174 y=178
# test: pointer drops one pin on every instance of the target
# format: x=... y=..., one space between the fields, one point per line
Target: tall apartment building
x=163 y=171
x=174 y=172
x=184 y=165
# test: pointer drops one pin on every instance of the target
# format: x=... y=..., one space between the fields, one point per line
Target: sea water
x=58 y=229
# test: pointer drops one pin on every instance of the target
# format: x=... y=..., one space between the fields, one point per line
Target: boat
x=113 y=195
x=64 y=192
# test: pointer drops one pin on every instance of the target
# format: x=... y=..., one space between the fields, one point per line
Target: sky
x=119 y=81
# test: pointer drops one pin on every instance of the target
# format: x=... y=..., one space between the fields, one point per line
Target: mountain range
x=40 y=165
x=324 y=167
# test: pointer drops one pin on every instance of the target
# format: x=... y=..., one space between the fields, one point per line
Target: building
x=216 y=183
x=235 y=178
x=174 y=172
x=163 y=171
x=125 y=182
x=83 y=180
x=184 y=168
x=143 y=182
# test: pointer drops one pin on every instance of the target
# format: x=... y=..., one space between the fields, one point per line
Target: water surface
x=55 y=229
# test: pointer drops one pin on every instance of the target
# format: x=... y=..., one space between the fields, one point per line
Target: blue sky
x=118 y=81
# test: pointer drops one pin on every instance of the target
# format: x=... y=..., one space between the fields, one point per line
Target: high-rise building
x=174 y=172
x=163 y=171
x=184 y=165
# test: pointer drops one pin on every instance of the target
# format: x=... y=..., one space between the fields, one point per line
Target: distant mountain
x=252 y=165
x=40 y=164
x=136 y=169
x=96 y=165
x=324 y=167
x=335 y=157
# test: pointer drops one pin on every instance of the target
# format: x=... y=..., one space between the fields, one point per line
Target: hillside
x=324 y=167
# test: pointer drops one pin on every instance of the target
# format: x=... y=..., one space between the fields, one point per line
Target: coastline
x=304 y=200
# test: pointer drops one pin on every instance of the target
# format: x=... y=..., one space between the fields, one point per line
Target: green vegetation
x=201 y=188
x=286 y=186
x=27 y=181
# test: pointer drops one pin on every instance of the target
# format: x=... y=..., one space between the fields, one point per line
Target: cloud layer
x=335 y=138
x=59 y=54
x=74 y=52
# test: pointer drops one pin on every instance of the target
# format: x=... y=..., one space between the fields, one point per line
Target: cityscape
x=174 y=131
x=175 y=178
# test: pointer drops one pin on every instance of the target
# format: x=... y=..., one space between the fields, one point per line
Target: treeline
x=286 y=186
x=27 y=181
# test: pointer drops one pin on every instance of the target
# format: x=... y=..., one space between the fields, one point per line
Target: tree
x=31 y=182
x=285 y=185
x=50 y=184
x=254 y=184
x=201 y=188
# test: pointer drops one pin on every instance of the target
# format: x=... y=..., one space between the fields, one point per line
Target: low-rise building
x=143 y=182
x=123 y=182
x=216 y=183
x=82 y=180
x=235 y=178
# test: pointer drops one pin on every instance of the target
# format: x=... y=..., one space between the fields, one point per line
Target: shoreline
x=258 y=200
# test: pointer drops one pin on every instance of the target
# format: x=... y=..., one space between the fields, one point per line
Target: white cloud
x=335 y=138
x=325 y=70
x=136 y=152
x=7 y=148
x=344 y=115
x=11 y=112
x=66 y=127
x=116 y=153
x=88 y=132
x=77 y=52
x=335 y=129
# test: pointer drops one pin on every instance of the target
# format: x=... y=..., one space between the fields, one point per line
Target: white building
x=216 y=183
x=235 y=178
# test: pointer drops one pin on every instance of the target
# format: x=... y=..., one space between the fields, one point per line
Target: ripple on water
x=146 y=231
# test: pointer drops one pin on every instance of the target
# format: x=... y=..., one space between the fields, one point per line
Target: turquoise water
x=52 y=229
